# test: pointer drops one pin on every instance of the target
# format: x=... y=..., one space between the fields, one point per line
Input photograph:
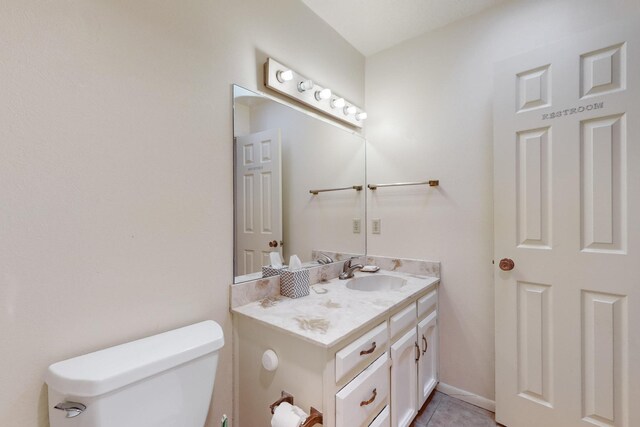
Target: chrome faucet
x=324 y=258
x=348 y=270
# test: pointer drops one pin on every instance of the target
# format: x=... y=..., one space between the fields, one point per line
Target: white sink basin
x=378 y=282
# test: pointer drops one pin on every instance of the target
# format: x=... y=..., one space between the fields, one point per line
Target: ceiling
x=374 y=25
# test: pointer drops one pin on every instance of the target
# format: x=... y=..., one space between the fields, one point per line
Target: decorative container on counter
x=268 y=271
x=294 y=284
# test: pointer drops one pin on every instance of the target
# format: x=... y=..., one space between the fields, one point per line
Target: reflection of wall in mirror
x=241 y=119
x=316 y=154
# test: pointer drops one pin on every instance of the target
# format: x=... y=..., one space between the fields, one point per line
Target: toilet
x=165 y=380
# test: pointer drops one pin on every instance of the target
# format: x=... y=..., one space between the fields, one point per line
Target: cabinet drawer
x=427 y=303
x=382 y=420
x=361 y=350
x=400 y=321
x=364 y=397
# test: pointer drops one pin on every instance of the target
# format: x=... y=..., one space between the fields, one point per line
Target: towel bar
x=431 y=183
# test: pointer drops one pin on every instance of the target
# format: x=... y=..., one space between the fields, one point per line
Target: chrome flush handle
x=73 y=409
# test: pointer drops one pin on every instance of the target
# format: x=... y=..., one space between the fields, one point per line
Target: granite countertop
x=332 y=311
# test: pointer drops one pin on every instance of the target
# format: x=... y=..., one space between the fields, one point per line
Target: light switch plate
x=375 y=226
x=357 y=225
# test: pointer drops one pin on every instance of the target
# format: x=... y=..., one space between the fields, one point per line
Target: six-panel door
x=567 y=203
x=258 y=200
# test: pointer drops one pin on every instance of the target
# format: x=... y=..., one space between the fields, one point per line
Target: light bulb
x=284 y=75
x=349 y=110
x=323 y=94
x=361 y=116
x=305 y=85
x=337 y=103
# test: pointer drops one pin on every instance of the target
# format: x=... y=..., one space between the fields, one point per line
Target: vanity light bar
x=284 y=80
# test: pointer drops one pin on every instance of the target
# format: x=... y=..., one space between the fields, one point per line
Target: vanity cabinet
x=366 y=396
x=361 y=350
x=414 y=371
x=428 y=361
x=404 y=379
x=382 y=420
x=378 y=375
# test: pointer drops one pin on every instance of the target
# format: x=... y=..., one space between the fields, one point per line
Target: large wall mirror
x=281 y=154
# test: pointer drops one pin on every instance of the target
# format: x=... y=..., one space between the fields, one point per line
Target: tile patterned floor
x=445 y=411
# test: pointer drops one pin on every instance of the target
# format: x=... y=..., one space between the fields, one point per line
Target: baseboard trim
x=466 y=396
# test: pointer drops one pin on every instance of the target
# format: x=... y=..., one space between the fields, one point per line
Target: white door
x=258 y=201
x=404 y=380
x=567 y=213
x=428 y=362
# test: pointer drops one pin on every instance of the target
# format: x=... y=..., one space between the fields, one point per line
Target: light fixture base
x=308 y=96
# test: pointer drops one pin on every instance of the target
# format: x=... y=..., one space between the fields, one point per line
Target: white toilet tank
x=165 y=380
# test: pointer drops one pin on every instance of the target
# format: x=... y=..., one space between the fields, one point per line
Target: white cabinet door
x=428 y=363
x=404 y=380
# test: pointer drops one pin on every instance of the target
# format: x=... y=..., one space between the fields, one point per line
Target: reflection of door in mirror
x=258 y=201
x=312 y=153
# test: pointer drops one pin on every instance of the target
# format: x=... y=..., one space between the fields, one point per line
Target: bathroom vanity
x=362 y=351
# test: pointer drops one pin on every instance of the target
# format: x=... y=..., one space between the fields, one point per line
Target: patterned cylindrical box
x=268 y=271
x=294 y=284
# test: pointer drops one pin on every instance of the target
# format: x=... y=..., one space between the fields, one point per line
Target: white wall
x=430 y=109
x=116 y=170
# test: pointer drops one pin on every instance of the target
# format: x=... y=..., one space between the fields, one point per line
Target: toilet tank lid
x=106 y=370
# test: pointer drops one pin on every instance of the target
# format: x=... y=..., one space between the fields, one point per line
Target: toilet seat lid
x=106 y=370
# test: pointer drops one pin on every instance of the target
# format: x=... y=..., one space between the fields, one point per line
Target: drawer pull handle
x=370 y=401
x=426 y=345
x=371 y=350
x=417 y=351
